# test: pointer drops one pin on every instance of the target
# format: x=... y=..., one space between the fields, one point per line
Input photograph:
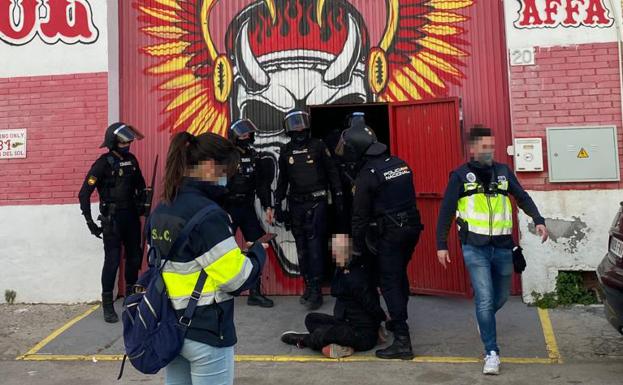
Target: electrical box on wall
x=528 y=154
x=583 y=154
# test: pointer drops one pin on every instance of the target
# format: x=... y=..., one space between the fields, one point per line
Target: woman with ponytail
x=196 y=174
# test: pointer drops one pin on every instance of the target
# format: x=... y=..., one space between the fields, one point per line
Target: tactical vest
x=305 y=168
x=243 y=183
x=485 y=211
x=118 y=185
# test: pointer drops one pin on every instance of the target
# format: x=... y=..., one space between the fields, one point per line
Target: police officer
x=346 y=171
x=123 y=198
x=478 y=197
x=306 y=172
x=384 y=194
x=242 y=187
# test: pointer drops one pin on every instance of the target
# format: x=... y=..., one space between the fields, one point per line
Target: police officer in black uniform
x=249 y=180
x=384 y=194
x=346 y=171
x=123 y=198
x=306 y=172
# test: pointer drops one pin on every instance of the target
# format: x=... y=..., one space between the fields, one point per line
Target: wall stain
x=568 y=233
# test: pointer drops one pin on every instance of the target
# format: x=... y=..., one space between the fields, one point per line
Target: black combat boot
x=109 y=311
x=256 y=298
x=315 y=295
x=305 y=297
x=400 y=348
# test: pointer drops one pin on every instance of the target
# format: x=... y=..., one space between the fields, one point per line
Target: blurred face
x=483 y=150
x=245 y=136
x=208 y=171
x=341 y=248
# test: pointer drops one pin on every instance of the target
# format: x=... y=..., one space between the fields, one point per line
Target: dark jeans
x=309 y=227
x=395 y=249
x=124 y=229
x=325 y=329
x=243 y=216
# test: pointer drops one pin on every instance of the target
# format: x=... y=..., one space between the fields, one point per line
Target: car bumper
x=613 y=298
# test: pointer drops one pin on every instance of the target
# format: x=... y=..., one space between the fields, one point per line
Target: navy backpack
x=153 y=335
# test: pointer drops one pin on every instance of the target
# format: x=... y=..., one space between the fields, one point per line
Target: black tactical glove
x=94 y=229
x=338 y=202
x=519 y=262
x=282 y=217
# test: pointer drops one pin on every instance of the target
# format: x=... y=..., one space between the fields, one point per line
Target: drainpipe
x=619 y=27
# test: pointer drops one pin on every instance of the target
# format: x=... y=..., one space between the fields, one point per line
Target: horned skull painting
x=221 y=60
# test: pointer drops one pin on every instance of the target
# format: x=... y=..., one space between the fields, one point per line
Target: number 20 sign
x=522 y=56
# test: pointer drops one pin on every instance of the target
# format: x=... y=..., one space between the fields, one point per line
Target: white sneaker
x=492 y=363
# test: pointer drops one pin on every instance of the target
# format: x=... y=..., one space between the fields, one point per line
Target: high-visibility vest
x=486 y=213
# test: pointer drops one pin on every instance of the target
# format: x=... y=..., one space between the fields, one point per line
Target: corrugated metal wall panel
x=415 y=128
x=179 y=58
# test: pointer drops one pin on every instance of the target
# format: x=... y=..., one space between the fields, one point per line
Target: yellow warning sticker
x=583 y=154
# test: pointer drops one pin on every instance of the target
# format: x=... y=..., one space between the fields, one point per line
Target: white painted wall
x=37 y=58
x=559 y=35
x=596 y=208
x=48 y=255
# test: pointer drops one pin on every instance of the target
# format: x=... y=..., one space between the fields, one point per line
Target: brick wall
x=65 y=117
x=569 y=86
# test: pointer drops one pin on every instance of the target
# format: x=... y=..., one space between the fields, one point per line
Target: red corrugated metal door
x=427 y=135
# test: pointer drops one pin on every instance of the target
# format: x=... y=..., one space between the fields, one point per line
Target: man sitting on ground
x=356 y=323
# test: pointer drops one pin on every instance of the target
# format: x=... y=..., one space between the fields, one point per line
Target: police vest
x=395 y=191
x=243 y=182
x=119 y=181
x=305 y=169
x=486 y=210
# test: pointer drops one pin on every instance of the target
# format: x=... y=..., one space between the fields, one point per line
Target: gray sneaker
x=492 y=364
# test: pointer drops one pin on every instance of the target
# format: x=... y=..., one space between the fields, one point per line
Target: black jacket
x=384 y=186
x=357 y=300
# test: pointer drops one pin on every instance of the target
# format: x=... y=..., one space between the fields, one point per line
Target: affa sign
x=53 y=21
x=563 y=13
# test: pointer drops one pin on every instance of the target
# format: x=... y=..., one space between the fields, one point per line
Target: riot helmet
x=355 y=119
x=358 y=141
x=296 y=121
x=118 y=133
x=240 y=128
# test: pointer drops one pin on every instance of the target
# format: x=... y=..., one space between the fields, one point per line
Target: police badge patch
x=92 y=180
x=471 y=177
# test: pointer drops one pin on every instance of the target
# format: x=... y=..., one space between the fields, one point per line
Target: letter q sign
x=522 y=56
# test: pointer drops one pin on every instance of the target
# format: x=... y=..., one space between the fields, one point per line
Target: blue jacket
x=211 y=246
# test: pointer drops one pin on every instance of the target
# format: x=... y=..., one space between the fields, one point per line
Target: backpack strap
x=180 y=242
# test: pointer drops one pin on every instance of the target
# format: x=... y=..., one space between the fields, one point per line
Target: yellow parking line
x=550 y=337
x=297 y=359
x=56 y=333
x=546 y=324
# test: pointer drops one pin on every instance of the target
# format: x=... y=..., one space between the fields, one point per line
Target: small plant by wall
x=570 y=290
x=9 y=296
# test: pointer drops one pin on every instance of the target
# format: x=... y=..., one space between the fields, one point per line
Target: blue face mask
x=222 y=181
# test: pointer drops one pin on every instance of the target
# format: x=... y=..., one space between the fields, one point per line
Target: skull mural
x=221 y=60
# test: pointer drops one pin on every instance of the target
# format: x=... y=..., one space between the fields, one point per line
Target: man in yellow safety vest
x=478 y=194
